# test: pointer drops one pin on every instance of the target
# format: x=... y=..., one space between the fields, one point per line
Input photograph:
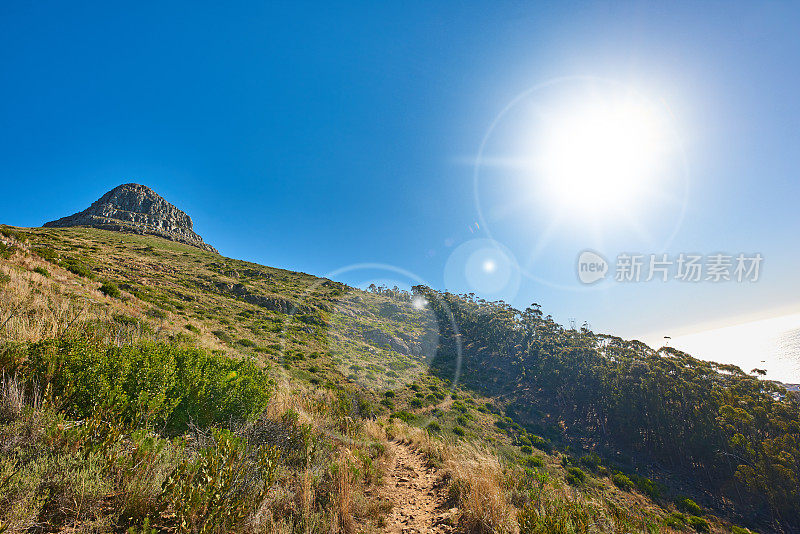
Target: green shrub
x=77 y=267
x=433 y=426
x=389 y=394
x=415 y=403
x=6 y=251
x=526 y=449
x=622 y=482
x=403 y=416
x=646 y=486
x=218 y=490
x=110 y=289
x=540 y=443
x=688 y=505
x=459 y=407
x=47 y=254
x=458 y=431
x=41 y=270
x=699 y=524
x=534 y=461
x=675 y=520
x=192 y=328
x=154 y=384
x=591 y=460
x=575 y=476
x=4 y=278
x=389 y=403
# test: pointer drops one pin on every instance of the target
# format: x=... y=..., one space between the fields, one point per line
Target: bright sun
x=601 y=156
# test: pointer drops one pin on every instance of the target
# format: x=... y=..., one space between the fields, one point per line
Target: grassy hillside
x=134 y=367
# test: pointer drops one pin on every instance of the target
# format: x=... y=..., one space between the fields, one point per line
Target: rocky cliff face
x=138 y=209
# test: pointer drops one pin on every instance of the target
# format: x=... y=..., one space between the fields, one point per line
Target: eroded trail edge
x=418 y=494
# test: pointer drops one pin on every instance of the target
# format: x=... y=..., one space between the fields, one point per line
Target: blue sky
x=313 y=136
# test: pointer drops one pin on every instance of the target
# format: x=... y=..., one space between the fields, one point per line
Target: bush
x=687 y=505
x=154 y=384
x=533 y=461
x=433 y=426
x=575 y=476
x=526 y=449
x=222 y=486
x=540 y=443
x=110 y=289
x=699 y=524
x=6 y=251
x=389 y=394
x=591 y=460
x=458 y=431
x=41 y=270
x=77 y=267
x=47 y=254
x=647 y=486
x=675 y=520
x=403 y=416
x=622 y=482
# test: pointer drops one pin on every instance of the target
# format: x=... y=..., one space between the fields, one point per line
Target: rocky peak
x=138 y=209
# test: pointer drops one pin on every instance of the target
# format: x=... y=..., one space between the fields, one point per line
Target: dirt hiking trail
x=418 y=494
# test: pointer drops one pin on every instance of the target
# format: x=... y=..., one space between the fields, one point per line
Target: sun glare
x=600 y=156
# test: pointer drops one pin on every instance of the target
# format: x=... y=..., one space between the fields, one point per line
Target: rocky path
x=418 y=495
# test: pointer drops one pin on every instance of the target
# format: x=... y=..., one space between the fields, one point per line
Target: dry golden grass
x=477 y=477
x=35 y=307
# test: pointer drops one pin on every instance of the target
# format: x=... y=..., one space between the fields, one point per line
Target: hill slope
x=528 y=434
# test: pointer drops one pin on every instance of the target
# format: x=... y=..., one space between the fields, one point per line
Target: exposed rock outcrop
x=137 y=209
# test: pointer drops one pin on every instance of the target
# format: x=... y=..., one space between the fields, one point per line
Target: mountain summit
x=137 y=209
